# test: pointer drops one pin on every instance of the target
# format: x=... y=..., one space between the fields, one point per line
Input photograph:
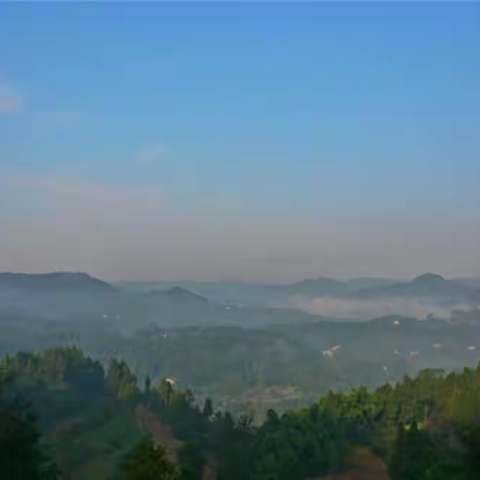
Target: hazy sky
x=266 y=141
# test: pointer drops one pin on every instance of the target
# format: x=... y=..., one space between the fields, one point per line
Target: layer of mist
x=419 y=308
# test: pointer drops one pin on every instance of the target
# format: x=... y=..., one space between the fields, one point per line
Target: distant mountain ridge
x=62 y=295
x=65 y=281
x=429 y=287
x=426 y=285
x=179 y=293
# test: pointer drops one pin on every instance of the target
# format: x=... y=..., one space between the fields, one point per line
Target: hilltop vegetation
x=94 y=426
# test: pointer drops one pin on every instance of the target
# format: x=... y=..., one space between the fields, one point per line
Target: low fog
x=419 y=308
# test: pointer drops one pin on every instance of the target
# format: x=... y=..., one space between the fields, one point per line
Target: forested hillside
x=253 y=369
x=98 y=424
x=248 y=358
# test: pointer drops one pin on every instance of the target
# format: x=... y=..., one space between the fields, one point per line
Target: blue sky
x=342 y=139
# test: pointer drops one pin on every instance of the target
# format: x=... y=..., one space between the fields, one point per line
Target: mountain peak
x=428 y=278
x=185 y=294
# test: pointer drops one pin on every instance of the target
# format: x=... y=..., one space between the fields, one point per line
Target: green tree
x=413 y=454
x=148 y=462
x=208 y=408
x=21 y=457
x=121 y=381
x=148 y=384
x=86 y=375
x=165 y=391
x=192 y=460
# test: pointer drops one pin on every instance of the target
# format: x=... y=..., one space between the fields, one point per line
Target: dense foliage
x=21 y=456
x=147 y=461
x=102 y=425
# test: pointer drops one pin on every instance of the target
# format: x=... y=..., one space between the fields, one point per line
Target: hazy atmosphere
x=264 y=142
x=239 y=240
